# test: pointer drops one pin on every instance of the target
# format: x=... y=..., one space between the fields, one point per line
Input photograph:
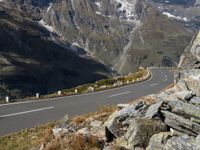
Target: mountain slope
x=111 y=32
x=160 y=41
x=31 y=62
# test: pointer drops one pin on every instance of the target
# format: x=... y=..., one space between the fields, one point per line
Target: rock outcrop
x=170 y=121
x=141 y=130
x=195 y=49
x=165 y=141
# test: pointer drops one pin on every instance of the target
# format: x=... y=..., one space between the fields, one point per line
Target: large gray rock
x=164 y=141
x=116 y=122
x=195 y=101
x=158 y=141
x=195 y=49
x=133 y=111
x=141 y=130
x=193 y=82
x=153 y=110
x=181 y=85
x=184 y=142
x=185 y=109
x=181 y=124
x=184 y=95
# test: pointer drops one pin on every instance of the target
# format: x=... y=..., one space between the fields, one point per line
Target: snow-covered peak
x=175 y=17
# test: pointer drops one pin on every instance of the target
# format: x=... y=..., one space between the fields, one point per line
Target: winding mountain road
x=17 y=116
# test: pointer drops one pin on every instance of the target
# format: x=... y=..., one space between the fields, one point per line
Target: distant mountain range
x=47 y=45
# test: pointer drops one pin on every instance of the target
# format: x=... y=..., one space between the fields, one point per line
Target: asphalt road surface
x=17 y=116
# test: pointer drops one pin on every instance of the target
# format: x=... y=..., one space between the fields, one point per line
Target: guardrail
x=161 y=67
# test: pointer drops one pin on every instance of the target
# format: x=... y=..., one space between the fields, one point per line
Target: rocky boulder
x=118 y=120
x=158 y=141
x=141 y=130
x=153 y=110
x=195 y=101
x=184 y=95
x=185 y=109
x=194 y=83
x=184 y=142
x=181 y=124
x=164 y=141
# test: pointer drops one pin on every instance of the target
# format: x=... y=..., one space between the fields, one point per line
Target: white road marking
x=120 y=94
x=154 y=84
x=26 y=112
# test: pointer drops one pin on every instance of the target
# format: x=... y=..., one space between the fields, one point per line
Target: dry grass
x=26 y=139
x=83 y=142
x=48 y=136
x=79 y=119
x=101 y=114
x=74 y=142
x=149 y=100
x=33 y=138
x=53 y=145
x=169 y=87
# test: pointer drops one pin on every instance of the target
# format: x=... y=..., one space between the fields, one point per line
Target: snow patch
x=175 y=17
x=98 y=4
x=99 y=13
x=48 y=27
x=48 y=9
x=45 y=25
x=75 y=44
x=127 y=6
x=74 y=17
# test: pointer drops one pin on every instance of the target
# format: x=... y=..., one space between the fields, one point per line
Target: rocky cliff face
x=119 y=32
x=102 y=28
